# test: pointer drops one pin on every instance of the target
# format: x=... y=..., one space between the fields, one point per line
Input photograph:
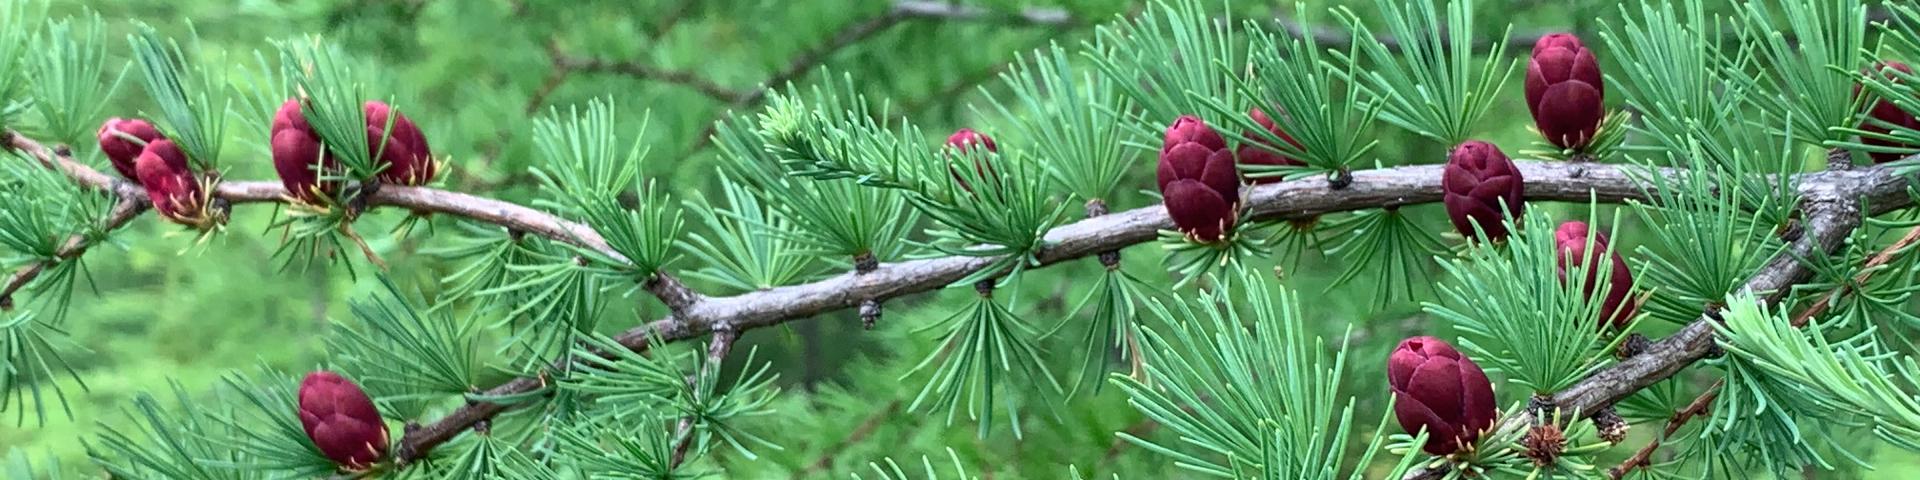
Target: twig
x=717 y=349
x=123 y=212
x=553 y=82
x=1644 y=457
x=513 y=217
x=564 y=62
x=1885 y=255
x=859 y=433
x=948 y=11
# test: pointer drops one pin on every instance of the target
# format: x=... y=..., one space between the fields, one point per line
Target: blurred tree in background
x=160 y=322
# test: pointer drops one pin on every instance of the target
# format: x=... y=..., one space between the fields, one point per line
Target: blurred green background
x=475 y=73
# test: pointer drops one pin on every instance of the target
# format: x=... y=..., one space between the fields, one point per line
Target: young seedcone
x=1482 y=186
x=1565 y=91
x=963 y=142
x=171 y=185
x=342 y=421
x=1571 y=239
x=408 y=158
x=1198 y=179
x=1251 y=154
x=300 y=158
x=122 y=140
x=1886 y=111
x=1437 y=389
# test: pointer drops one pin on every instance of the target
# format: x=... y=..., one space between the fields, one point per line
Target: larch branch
x=1644 y=457
x=1387 y=187
x=511 y=216
x=1831 y=208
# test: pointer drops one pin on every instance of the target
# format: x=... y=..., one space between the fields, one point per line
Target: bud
x=1886 y=111
x=408 y=159
x=1254 y=155
x=1479 y=186
x=120 y=150
x=1571 y=240
x=1198 y=180
x=342 y=421
x=964 y=140
x=170 y=183
x=1564 y=90
x=1437 y=388
x=297 y=151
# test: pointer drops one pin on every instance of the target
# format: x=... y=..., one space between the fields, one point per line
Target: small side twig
x=1881 y=258
x=1644 y=457
x=123 y=212
x=859 y=433
x=670 y=291
x=870 y=309
x=717 y=349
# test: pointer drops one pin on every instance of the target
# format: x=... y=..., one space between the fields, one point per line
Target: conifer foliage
x=1717 y=284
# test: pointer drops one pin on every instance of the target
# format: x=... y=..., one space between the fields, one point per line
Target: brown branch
x=947 y=11
x=1387 y=187
x=813 y=57
x=859 y=433
x=123 y=212
x=1644 y=457
x=1885 y=255
x=547 y=87
x=1831 y=210
x=512 y=216
x=568 y=63
x=717 y=349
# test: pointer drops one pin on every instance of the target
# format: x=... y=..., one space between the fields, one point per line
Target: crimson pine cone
x=342 y=421
x=1571 y=240
x=1479 y=181
x=1565 y=90
x=967 y=139
x=122 y=152
x=1198 y=180
x=1886 y=111
x=171 y=186
x=1254 y=155
x=408 y=158
x=296 y=151
x=1437 y=388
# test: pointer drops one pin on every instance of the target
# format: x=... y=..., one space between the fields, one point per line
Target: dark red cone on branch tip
x=1565 y=91
x=965 y=140
x=1886 y=111
x=408 y=158
x=1251 y=154
x=1198 y=180
x=121 y=151
x=171 y=186
x=1571 y=240
x=1437 y=388
x=342 y=421
x=297 y=151
x=1480 y=184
